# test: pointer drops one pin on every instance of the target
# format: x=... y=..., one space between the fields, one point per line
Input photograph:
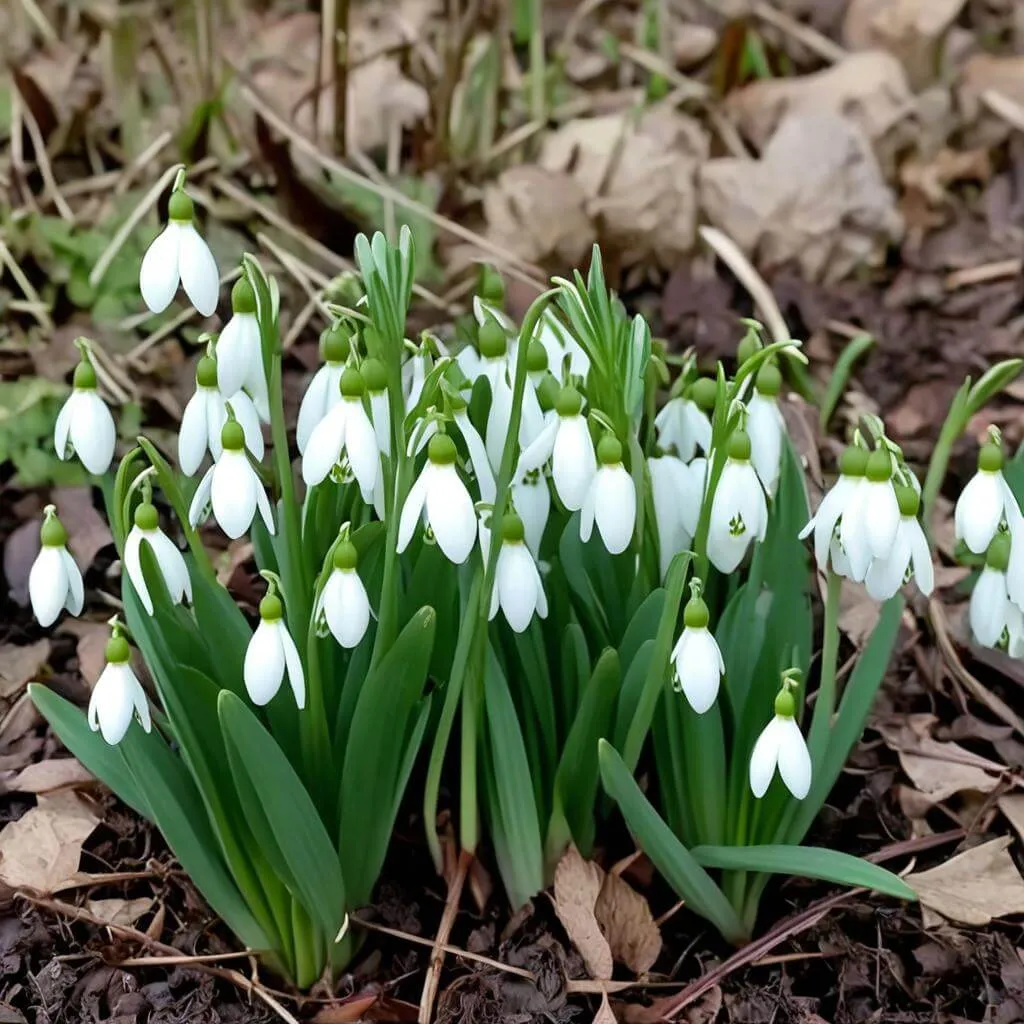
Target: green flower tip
x=118 y=651
x=749 y=346
x=85 y=375
x=696 y=615
x=990 y=458
x=52 y=534
x=879 y=467
x=739 y=446
x=232 y=437
x=271 y=609
x=336 y=343
x=491 y=339
x=374 y=375
x=569 y=402
x=492 y=286
x=146 y=517
x=785 y=704
x=179 y=206
x=243 y=298
x=609 y=450
x=853 y=461
x=998 y=555
x=352 y=383
x=441 y=450
x=536 y=357
x=512 y=529
x=345 y=556
x=769 y=380
x=206 y=372
x=908 y=500
x=704 y=391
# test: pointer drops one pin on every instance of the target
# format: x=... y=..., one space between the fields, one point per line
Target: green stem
x=825 y=703
x=952 y=427
x=472 y=708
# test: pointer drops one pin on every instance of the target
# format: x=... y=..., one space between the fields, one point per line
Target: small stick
x=37 y=306
x=451 y=908
x=43 y=162
x=810 y=37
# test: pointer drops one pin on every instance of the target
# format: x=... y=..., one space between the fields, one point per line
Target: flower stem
x=824 y=705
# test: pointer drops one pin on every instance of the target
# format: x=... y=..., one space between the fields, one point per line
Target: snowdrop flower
x=240 y=351
x=909 y=556
x=414 y=377
x=84 y=425
x=347 y=430
x=441 y=494
x=984 y=502
x=611 y=500
x=169 y=559
x=344 y=605
x=677 y=498
x=566 y=441
x=697 y=665
x=532 y=501
x=232 y=487
x=868 y=527
x=766 y=427
x=179 y=253
x=270 y=654
x=853 y=464
x=118 y=694
x=781 y=745
x=518 y=590
x=683 y=422
x=204 y=418
x=54 y=582
x=375 y=377
x=739 y=512
x=324 y=391
x=991 y=611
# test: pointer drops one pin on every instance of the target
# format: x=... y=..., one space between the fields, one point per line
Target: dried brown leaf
x=46 y=776
x=628 y=925
x=941 y=772
x=122 y=912
x=971 y=888
x=21 y=664
x=986 y=71
x=42 y=848
x=604 y=1013
x=577 y=886
x=92 y=645
x=88 y=533
x=19 y=553
x=1012 y=806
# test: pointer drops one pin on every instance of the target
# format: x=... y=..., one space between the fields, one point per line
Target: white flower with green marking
x=117 y=695
x=169 y=560
x=84 y=424
x=55 y=581
x=271 y=655
x=739 y=511
x=344 y=606
x=611 y=500
x=781 y=747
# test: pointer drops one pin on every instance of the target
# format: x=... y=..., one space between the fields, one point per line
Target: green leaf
x=282 y=815
x=853 y=350
x=806 y=862
x=990 y=384
x=688 y=879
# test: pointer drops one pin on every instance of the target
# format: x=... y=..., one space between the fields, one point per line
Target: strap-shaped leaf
x=282 y=815
x=807 y=862
x=689 y=880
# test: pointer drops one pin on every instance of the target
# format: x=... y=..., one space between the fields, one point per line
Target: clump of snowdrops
x=512 y=559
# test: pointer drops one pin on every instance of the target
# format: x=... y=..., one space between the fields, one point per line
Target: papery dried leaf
x=577 y=886
x=628 y=924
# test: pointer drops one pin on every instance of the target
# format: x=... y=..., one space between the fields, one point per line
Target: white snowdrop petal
x=296 y=677
x=920 y=558
x=201 y=499
x=498 y=417
x=699 y=669
x=264 y=665
x=47 y=585
x=573 y=461
x=765 y=428
x=62 y=428
x=412 y=510
x=764 y=758
x=978 y=511
x=233 y=493
x=346 y=607
x=232 y=355
x=726 y=546
x=615 y=507
x=361 y=445
x=516 y=585
x=699 y=426
x=192 y=438
x=380 y=416
x=853 y=534
x=540 y=450
x=93 y=432
x=451 y=514
x=198 y=270
x=112 y=703
x=987 y=611
x=172 y=565
x=587 y=513
x=158 y=276
x=794 y=758
x=133 y=567
x=325 y=445
x=319 y=397
x=670 y=484
x=263 y=506
x=532 y=502
x=76 y=590
x=249 y=420
x=881 y=511
x=141 y=704
x=477 y=456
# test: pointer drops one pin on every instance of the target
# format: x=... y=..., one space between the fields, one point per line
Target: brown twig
x=451 y=908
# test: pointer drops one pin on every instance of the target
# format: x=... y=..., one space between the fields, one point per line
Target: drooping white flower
x=1015 y=569
x=531 y=499
x=677 y=497
x=991 y=611
x=169 y=559
x=766 y=427
x=179 y=254
x=344 y=604
x=682 y=422
x=518 y=589
x=871 y=518
x=240 y=352
x=324 y=391
x=232 y=488
x=566 y=441
x=376 y=379
x=739 y=512
x=270 y=654
x=84 y=424
x=781 y=745
x=611 y=500
x=985 y=502
x=909 y=556
x=441 y=494
x=414 y=378
x=347 y=430
x=852 y=466
x=117 y=694
x=55 y=581
x=204 y=417
x=697 y=665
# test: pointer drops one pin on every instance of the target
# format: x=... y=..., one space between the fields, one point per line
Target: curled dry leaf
x=42 y=848
x=912 y=30
x=88 y=532
x=971 y=888
x=577 y=886
x=604 y=1013
x=1012 y=806
x=692 y=43
x=868 y=88
x=122 y=912
x=51 y=774
x=92 y=646
x=627 y=922
x=816 y=198
x=20 y=665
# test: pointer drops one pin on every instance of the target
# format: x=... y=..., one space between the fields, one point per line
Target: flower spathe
x=985 y=502
x=117 y=695
x=344 y=605
x=697 y=665
x=84 y=424
x=240 y=353
x=169 y=560
x=611 y=500
x=54 y=581
x=272 y=653
x=781 y=746
x=179 y=255
x=739 y=511
x=440 y=493
x=518 y=589
x=232 y=488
